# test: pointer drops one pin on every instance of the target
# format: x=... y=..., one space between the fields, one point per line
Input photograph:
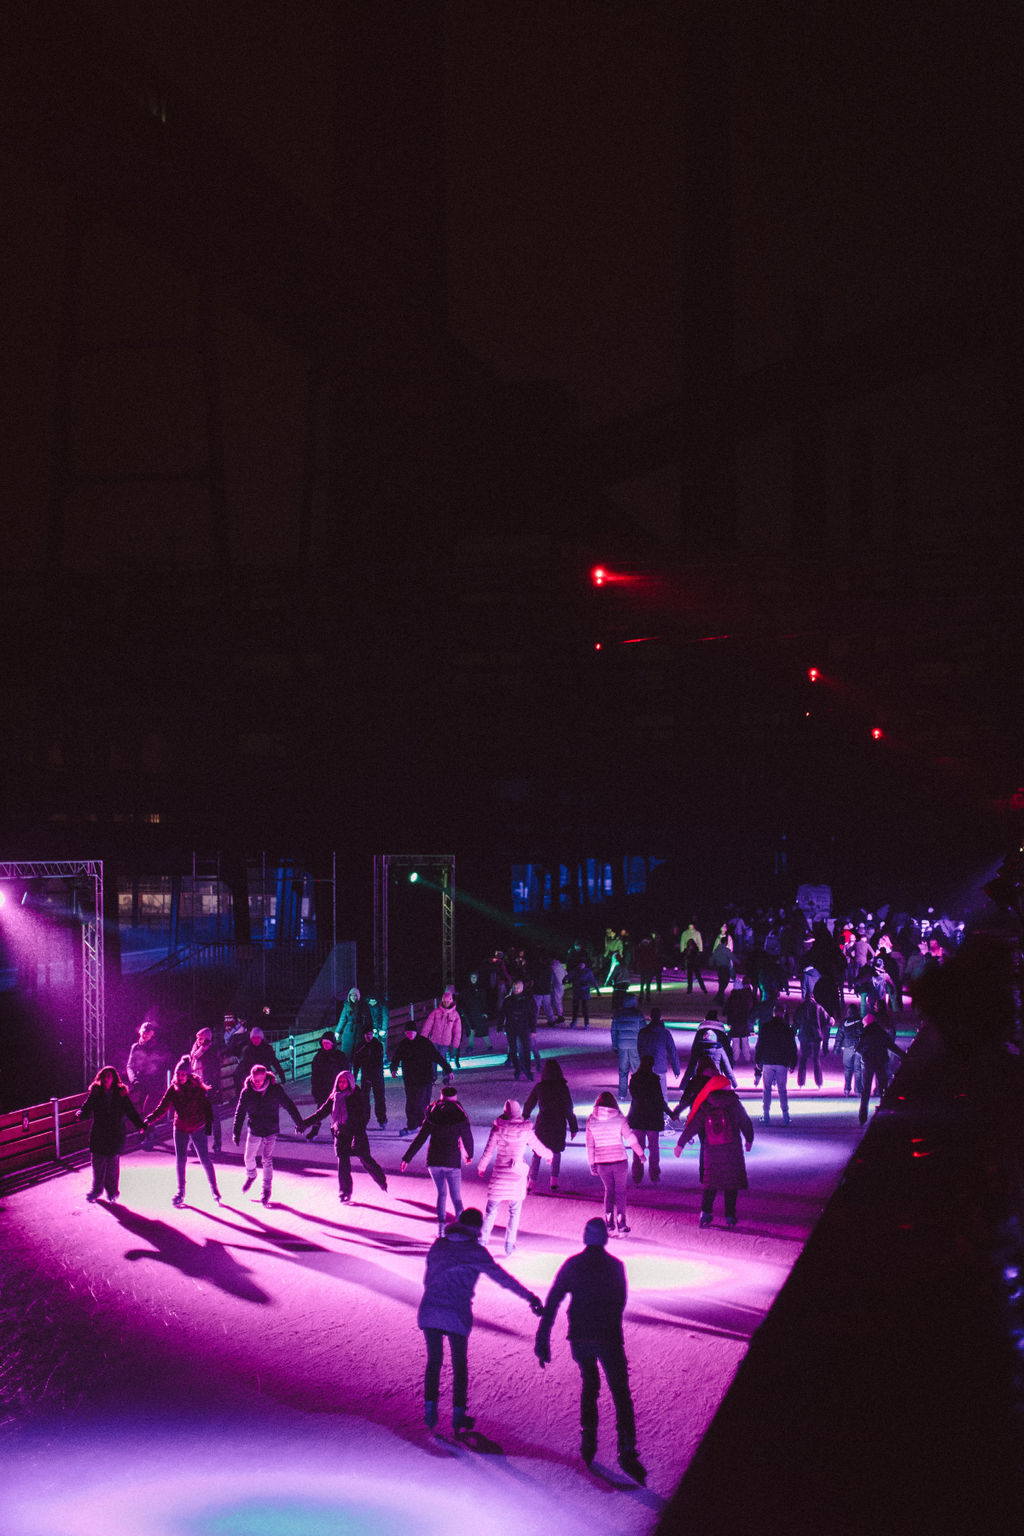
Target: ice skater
x=454 y=1263
x=719 y=1119
x=108 y=1106
x=448 y=1130
x=349 y=1109
x=507 y=1144
x=260 y=1102
x=595 y=1282
x=193 y=1122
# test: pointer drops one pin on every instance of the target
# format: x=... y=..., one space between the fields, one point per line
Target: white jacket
x=607 y=1130
x=508 y=1142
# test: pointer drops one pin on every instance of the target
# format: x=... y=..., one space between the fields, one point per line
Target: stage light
x=3 y=898
x=877 y=733
x=813 y=674
x=597 y=645
x=598 y=575
x=413 y=877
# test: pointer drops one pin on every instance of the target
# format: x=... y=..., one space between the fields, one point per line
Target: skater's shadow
x=476 y=1440
x=202 y=1261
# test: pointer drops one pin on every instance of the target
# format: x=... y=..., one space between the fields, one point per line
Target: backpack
x=717 y=1126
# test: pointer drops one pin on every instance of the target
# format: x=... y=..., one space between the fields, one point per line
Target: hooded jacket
x=443 y=1025
x=263 y=1108
x=454 y=1264
x=511 y=1136
x=607 y=1130
x=722 y=1164
x=446 y=1125
x=555 y=1112
x=108 y=1112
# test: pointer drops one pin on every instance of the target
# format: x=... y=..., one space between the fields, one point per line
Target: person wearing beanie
x=418 y=1059
x=443 y=1025
x=353 y=1019
x=454 y=1264
x=447 y=1130
x=368 y=1071
x=719 y=1119
x=193 y=1121
x=257 y=1049
x=324 y=1068
x=608 y=1135
x=511 y=1136
x=349 y=1109
x=261 y=1102
x=595 y=1282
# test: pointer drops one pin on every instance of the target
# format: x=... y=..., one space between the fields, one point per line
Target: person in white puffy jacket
x=608 y=1135
x=510 y=1139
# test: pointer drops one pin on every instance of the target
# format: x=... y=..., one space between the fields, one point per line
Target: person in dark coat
x=353 y=1019
x=847 y=1040
x=368 y=1071
x=258 y=1049
x=583 y=981
x=646 y=1117
x=260 y=1102
x=454 y=1264
x=447 y=1130
x=812 y=1027
x=874 y=1049
x=555 y=1115
x=473 y=1002
x=108 y=1105
x=739 y=1006
x=517 y=1019
x=774 y=1058
x=418 y=1059
x=324 y=1069
x=147 y=1070
x=193 y=1121
x=595 y=1282
x=627 y=1022
x=657 y=1041
x=349 y=1110
x=205 y=1057
x=721 y=1122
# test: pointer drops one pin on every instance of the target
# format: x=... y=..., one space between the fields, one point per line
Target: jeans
x=610 y=1353
x=693 y=973
x=105 y=1174
x=853 y=1069
x=512 y=1226
x=519 y=1050
x=458 y=1343
x=613 y=1177
x=652 y=1141
x=202 y=1151
x=447 y=1181
x=260 y=1146
x=629 y=1060
x=543 y=1000
x=774 y=1075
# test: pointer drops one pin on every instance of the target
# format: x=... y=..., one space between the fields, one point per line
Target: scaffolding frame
x=382 y=865
x=94 y=1009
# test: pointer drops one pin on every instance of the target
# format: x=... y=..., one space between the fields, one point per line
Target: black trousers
x=346 y=1141
x=458 y=1343
x=610 y=1354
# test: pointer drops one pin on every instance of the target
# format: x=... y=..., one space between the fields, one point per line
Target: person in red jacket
x=193 y=1121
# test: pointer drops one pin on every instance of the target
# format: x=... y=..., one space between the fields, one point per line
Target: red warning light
x=599 y=575
x=813 y=674
x=877 y=733
x=597 y=645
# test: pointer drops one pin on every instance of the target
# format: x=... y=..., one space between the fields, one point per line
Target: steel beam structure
x=94 y=1011
x=382 y=863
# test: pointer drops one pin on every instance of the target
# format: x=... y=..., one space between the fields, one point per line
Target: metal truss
x=94 y=1010
x=382 y=863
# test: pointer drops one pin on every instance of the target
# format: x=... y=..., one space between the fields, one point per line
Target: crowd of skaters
x=760 y=1020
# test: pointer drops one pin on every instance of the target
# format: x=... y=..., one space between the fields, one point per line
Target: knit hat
x=470 y=1217
x=513 y=1110
x=595 y=1233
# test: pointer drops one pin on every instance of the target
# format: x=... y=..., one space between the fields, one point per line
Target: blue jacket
x=454 y=1264
x=626 y=1026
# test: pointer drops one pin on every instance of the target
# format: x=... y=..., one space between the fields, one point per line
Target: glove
x=537 y=1307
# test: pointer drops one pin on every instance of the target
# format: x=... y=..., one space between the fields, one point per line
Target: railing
x=42 y=1137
